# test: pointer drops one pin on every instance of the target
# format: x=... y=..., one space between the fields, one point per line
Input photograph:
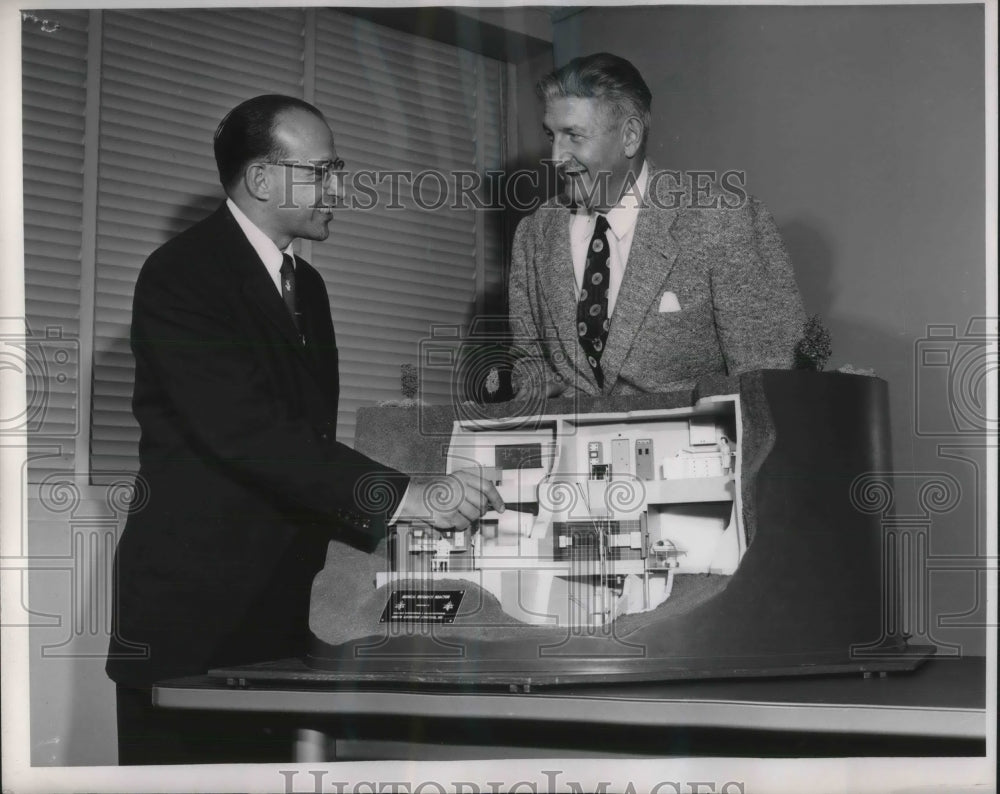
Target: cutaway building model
x=604 y=510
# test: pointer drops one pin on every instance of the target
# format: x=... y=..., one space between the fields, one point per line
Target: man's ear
x=257 y=181
x=632 y=135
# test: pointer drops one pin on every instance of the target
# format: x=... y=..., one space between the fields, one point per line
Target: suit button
x=324 y=436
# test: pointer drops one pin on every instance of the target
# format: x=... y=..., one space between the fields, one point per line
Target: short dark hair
x=246 y=134
x=602 y=76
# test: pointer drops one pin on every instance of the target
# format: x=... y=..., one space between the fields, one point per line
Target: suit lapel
x=233 y=247
x=557 y=277
x=654 y=251
x=260 y=290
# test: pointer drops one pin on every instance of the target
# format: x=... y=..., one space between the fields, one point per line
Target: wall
x=526 y=20
x=862 y=129
x=74 y=529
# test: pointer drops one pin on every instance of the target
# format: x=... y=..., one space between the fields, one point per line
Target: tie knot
x=602 y=225
x=287 y=266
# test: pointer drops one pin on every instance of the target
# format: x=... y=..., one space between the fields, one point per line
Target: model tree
x=813 y=350
x=408 y=381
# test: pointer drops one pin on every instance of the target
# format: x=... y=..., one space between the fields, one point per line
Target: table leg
x=310 y=746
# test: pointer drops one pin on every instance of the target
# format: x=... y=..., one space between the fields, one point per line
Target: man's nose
x=560 y=152
x=334 y=187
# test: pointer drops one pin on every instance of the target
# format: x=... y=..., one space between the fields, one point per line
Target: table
x=939 y=709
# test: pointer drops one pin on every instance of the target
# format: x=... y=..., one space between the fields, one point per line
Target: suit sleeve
x=222 y=403
x=758 y=309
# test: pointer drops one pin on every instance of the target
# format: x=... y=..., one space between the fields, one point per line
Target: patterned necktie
x=288 y=292
x=592 y=321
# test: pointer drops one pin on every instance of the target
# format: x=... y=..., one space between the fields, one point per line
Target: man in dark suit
x=636 y=280
x=242 y=482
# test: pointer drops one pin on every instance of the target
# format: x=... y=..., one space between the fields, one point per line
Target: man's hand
x=449 y=501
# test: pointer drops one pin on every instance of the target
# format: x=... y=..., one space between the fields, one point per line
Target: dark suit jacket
x=242 y=482
x=736 y=304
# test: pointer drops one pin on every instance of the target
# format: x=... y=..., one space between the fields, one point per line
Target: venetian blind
x=399 y=103
x=54 y=83
x=168 y=78
x=396 y=102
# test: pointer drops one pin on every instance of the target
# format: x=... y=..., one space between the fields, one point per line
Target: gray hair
x=602 y=76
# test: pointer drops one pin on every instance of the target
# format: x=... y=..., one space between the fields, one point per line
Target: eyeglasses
x=322 y=172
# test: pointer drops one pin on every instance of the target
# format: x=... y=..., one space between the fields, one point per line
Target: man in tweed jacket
x=699 y=283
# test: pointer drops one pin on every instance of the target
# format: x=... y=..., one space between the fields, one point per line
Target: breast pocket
x=678 y=345
x=692 y=320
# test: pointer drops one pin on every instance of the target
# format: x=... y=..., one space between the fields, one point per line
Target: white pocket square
x=669 y=303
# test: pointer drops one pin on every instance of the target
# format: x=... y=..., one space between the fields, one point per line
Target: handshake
x=449 y=501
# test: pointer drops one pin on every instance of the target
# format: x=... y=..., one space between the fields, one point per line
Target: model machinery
x=604 y=511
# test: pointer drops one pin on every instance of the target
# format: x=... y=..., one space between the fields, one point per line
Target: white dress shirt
x=262 y=244
x=621 y=223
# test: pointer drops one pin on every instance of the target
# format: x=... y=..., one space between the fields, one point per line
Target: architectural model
x=604 y=511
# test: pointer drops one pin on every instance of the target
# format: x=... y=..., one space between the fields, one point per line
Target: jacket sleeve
x=758 y=310
x=219 y=399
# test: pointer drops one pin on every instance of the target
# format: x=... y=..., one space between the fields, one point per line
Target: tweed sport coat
x=242 y=483
x=721 y=276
